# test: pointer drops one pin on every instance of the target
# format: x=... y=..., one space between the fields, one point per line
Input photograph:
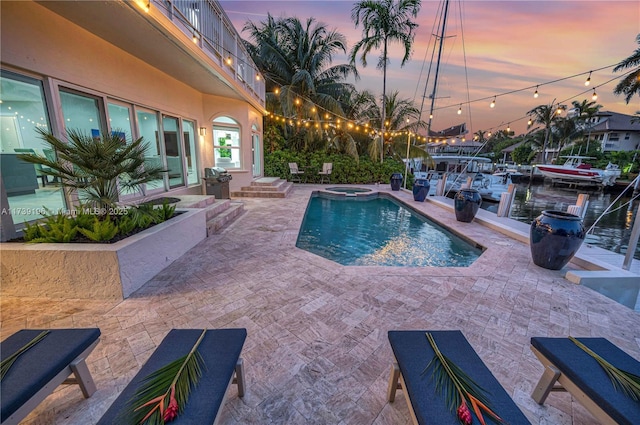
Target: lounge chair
x=295 y=172
x=220 y=350
x=412 y=355
x=47 y=364
x=568 y=367
x=327 y=168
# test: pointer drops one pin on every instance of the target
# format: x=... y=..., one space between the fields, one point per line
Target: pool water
x=376 y=231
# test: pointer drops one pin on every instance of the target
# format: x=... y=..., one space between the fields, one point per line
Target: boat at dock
x=454 y=172
x=575 y=170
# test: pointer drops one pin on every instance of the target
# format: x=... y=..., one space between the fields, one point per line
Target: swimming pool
x=378 y=231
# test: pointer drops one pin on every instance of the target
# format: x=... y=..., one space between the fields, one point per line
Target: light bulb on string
x=460 y=109
x=535 y=94
x=529 y=122
x=594 y=96
x=588 y=81
x=493 y=103
x=509 y=128
x=229 y=60
x=195 y=37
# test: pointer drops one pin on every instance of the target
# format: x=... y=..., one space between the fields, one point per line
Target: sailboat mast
x=435 y=80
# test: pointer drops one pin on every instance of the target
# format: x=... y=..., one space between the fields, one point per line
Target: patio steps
x=265 y=187
x=219 y=212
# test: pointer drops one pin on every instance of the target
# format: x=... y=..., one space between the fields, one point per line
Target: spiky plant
x=99 y=169
x=6 y=364
x=458 y=388
x=621 y=379
x=164 y=393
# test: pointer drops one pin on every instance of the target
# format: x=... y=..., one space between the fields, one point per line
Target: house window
x=627 y=136
x=226 y=143
x=614 y=137
x=23 y=111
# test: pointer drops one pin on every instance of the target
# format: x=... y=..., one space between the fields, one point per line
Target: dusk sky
x=509 y=46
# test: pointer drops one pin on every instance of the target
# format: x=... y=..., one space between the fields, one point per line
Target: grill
x=216 y=180
x=219 y=174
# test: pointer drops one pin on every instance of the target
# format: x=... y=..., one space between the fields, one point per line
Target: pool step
x=266 y=187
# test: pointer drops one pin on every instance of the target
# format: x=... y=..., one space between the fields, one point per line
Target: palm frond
x=621 y=379
x=6 y=364
x=148 y=403
x=456 y=386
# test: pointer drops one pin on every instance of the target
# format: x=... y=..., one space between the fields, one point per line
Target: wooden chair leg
x=545 y=384
x=239 y=379
x=83 y=377
x=394 y=384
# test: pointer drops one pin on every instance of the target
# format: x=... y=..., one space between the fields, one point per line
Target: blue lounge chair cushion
x=220 y=350
x=40 y=364
x=584 y=371
x=413 y=353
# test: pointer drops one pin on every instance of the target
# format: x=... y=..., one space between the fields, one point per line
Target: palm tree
x=547 y=116
x=384 y=21
x=401 y=118
x=565 y=129
x=630 y=84
x=99 y=169
x=359 y=107
x=295 y=59
x=586 y=110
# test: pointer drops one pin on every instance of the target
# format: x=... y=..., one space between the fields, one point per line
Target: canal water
x=612 y=231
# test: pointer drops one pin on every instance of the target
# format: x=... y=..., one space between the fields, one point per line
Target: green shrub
x=345 y=169
x=102 y=230
x=57 y=228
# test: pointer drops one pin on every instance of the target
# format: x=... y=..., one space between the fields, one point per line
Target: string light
x=508 y=127
x=229 y=61
x=195 y=37
x=460 y=109
x=535 y=94
x=493 y=102
x=588 y=81
x=529 y=122
x=594 y=96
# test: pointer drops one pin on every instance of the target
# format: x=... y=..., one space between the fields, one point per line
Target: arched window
x=227 y=143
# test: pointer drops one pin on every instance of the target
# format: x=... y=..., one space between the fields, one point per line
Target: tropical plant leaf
x=148 y=403
x=627 y=382
x=456 y=386
x=6 y=364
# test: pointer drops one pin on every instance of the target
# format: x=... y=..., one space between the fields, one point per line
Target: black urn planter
x=421 y=189
x=554 y=239
x=466 y=203
x=396 y=181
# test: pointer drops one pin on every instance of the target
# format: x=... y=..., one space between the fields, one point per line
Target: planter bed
x=98 y=270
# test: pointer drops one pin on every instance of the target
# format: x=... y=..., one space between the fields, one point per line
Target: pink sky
x=509 y=46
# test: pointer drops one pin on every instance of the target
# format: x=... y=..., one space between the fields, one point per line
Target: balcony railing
x=206 y=22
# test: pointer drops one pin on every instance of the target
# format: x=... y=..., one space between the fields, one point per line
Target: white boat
x=458 y=171
x=575 y=170
x=508 y=171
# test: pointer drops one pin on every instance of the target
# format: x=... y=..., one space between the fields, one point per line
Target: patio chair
x=413 y=353
x=568 y=367
x=327 y=168
x=295 y=172
x=220 y=350
x=40 y=369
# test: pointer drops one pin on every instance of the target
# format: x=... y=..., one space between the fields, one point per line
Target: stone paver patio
x=317 y=349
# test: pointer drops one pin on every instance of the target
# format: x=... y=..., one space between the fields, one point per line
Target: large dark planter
x=467 y=202
x=420 y=189
x=396 y=181
x=555 y=237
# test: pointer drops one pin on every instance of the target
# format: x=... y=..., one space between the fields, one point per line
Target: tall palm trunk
x=384 y=100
